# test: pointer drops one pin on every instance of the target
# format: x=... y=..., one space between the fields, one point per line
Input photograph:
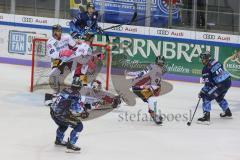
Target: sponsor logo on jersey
x=55 y=44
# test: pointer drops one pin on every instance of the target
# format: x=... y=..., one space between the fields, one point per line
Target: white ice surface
x=27 y=131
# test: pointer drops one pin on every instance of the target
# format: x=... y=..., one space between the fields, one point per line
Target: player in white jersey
x=146 y=84
x=95 y=96
x=59 y=47
x=86 y=62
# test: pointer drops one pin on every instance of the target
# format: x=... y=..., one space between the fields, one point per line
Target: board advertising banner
x=182 y=58
x=121 y=11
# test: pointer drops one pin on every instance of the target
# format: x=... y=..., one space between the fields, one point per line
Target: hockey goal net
x=41 y=65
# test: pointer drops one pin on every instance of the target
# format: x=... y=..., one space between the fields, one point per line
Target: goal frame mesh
x=105 y=46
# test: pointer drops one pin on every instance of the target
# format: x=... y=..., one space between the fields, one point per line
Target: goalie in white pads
x=59 y=47
x=147 y=86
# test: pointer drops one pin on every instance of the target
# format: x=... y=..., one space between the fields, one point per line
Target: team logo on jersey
x=165 y=4
x=89 y=23
x=55 y=44
x=232 y=65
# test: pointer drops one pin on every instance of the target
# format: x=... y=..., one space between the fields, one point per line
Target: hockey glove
x=201 y=94
x=66 y=53
x=84 y=115
x=100 y=30
x=74 y=35
x=100 y=56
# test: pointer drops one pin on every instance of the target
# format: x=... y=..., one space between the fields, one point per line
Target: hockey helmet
x=90 y=5
x=205 y=55
x=160 y=60
x=76 y=83
x=56 y=27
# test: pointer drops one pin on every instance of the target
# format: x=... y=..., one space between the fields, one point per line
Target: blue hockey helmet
x=90 y=5
x=205 y=55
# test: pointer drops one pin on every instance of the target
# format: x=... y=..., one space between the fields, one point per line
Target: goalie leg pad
x=54 y=82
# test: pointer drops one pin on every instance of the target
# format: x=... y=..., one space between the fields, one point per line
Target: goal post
x=35 y=49
x=41 y=65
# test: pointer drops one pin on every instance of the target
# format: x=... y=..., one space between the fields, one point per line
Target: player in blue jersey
x=67 y=111
x=217 y=82
x=85 y=25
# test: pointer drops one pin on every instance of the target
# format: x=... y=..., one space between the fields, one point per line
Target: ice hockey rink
x=28 y=132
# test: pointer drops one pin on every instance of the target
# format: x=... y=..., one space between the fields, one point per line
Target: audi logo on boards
x=209 y=36
x=27 y=19
x=120 y=28
x=163 y=32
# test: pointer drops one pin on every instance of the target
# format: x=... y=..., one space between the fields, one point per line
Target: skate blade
x=227 y=117
x=158 y=123
x=204 y=123
x=72 y=151
x=59 y=146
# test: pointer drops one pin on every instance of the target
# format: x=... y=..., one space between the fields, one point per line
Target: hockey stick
x=133 y=19
x=190 y=122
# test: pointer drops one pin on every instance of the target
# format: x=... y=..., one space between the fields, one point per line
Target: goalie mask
x=160 y=60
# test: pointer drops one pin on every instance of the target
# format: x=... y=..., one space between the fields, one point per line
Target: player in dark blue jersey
x=217 y=82
x=67 y=111
x=85 y=25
